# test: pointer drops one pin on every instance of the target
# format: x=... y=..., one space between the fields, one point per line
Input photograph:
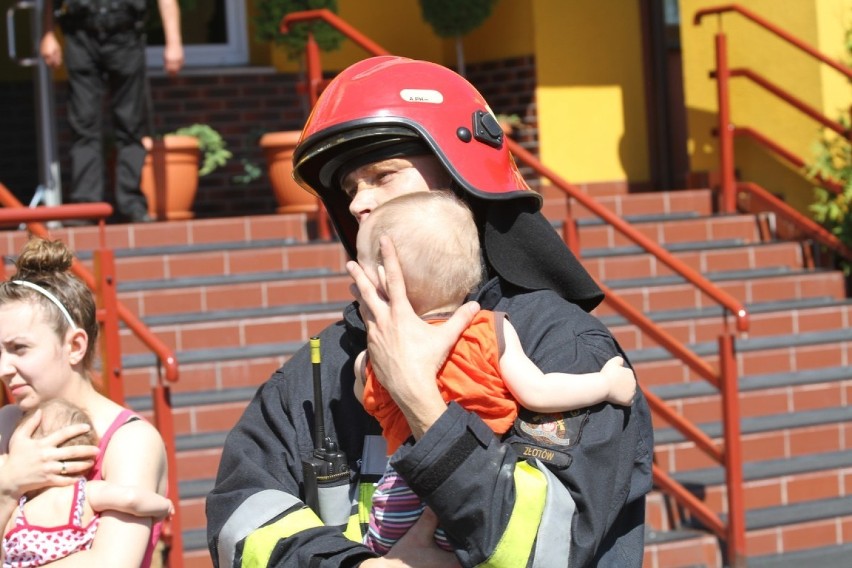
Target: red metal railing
x=806 y=227
x=729 y=454
x=726 y=130
x=109 y=312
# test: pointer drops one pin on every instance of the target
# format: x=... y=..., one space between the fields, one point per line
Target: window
x=214 y=33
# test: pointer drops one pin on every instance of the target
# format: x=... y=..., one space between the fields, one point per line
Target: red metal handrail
x=789 y=98
x=729 y=456
x=808 y=227
x=777 y=30
x=730 y=303
x=103 y=283
x=334 y=21
x=726 y=380
x=787 y=154
x=726 y=130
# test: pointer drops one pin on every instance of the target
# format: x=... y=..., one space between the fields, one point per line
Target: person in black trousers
x=105 y=54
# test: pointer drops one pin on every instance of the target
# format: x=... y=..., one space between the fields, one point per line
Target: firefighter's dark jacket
x=500 y=507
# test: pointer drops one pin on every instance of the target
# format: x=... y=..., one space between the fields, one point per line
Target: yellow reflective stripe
x=356 y=527
x=353 y=529
x=365 y=501
x=516 y=544
x=259 y=545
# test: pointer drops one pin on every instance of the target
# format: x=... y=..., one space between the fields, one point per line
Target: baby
x=53 y=522
x=487 y=371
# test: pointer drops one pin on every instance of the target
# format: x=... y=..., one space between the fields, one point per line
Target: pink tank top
x=123 y=418
x=29 y=545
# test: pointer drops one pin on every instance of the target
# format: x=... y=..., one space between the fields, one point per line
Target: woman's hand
x=417 y=548
x=33 y=463
x=405 y=351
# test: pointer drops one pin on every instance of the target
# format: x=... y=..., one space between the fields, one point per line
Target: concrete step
x=748 y=286
x=693 y=201
x=766 y=319
x=217 y=259
x=189 y=232
x=294 y=324
x=663 y=231
x=245 y=326
x=706 y=258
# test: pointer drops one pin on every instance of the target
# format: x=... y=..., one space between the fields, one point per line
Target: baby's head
x=58 y=413
x=437 y=243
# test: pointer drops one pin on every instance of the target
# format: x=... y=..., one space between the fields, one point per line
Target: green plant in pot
x=173 y=165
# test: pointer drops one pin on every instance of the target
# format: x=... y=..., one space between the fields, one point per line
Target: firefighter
x=557 y=490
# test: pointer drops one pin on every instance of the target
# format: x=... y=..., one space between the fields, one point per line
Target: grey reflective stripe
x=255 y=512
x=552 y=549
x=335 y=505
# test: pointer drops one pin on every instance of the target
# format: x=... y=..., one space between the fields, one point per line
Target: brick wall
x=509 y=87
x=241 y=105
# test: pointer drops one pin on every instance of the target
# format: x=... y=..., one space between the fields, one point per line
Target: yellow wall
x=591 y=100
x=508 y=32
x=397 y=26
x=821 y=24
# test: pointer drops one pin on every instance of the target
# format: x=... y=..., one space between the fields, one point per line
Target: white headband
x=50 y=297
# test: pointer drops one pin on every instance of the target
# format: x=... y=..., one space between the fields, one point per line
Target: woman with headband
x=48 y=339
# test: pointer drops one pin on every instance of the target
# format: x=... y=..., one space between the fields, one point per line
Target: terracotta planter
x=278 y=150
x=170 y=176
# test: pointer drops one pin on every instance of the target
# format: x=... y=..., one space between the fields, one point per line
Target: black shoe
x=141 y=218
x=70 y=223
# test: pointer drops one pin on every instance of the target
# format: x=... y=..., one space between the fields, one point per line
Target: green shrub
x=833 y=161
x=268 y=21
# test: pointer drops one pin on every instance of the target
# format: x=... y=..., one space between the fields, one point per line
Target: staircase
x=235 y=297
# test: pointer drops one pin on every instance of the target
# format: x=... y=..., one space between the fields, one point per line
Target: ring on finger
x=62 y=471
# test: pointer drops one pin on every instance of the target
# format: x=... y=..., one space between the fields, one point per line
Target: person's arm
x=135 y=457
x=103 y=496
x=360 y=376
x=49 y=46
x=559 y=392
x=173 y=50
x=406 y=352
x=256 y=508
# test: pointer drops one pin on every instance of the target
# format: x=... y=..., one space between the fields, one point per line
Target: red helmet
x=389 y=106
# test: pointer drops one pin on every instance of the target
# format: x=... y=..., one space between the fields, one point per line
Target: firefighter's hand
x=51 y=50
x=417 y=548
x=405 y=351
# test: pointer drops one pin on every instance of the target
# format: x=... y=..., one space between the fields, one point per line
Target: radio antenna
x=319 y=422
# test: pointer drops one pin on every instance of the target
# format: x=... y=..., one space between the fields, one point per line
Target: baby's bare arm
x=559 y=392
x=106 y=496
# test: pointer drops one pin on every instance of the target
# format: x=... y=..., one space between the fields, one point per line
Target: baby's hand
x=622 y=382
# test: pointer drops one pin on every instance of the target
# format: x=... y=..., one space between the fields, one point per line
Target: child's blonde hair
x=437 y=243
x=58 y=413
